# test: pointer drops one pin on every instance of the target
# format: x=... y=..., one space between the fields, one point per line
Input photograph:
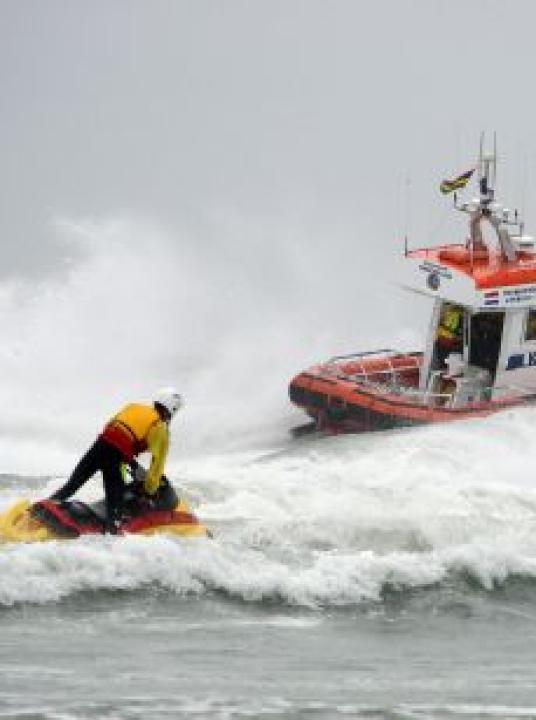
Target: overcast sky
x=302 y=111
x=212 y=193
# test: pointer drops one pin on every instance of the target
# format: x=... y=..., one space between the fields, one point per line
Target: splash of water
x=229 y=319
x=330 y=523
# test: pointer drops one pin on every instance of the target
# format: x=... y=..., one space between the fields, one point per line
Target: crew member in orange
x=135 y=429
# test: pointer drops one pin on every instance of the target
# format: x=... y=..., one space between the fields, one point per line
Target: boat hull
x=359 y=397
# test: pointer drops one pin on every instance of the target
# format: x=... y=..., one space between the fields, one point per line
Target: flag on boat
x=448 y=186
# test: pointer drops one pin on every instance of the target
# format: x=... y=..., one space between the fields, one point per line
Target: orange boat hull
x=356 y=396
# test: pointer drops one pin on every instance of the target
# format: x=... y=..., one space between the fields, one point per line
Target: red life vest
x=128 y=430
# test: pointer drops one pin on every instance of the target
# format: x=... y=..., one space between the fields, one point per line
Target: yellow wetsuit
x=158 y=445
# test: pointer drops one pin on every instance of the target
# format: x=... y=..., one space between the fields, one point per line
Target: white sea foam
x=224 y=318
x=331 y=522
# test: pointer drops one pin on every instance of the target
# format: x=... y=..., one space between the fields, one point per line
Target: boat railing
x=427 y=397
x=368 y=353
x=370 y=376
x=394 y=383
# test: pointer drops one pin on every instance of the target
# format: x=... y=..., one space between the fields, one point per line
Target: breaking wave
x=326 y=523
x=229 y=315
x=314 y=523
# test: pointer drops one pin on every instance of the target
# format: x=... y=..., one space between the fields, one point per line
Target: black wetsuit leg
x=86 y=468
x=106 y=458
x=114 y=485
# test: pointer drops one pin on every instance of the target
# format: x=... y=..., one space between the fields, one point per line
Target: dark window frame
x=529 y=333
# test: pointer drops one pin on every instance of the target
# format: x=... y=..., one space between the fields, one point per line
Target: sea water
x=388 y=575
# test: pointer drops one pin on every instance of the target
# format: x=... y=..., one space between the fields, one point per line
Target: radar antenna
x=485 y=208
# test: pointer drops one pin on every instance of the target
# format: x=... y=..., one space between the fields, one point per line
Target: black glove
x=147 y=502
x=113 y=526
x=138 y=472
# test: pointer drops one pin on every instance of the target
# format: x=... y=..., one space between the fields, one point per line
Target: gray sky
x=211 y=193
x=308 y=111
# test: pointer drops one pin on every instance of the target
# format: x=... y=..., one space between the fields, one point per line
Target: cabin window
x=530 y=328
x=486 y=340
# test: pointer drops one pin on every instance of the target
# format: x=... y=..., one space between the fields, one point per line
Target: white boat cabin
x=481 y=342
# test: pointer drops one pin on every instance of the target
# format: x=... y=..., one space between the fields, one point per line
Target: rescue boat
x=46 y=520
x=481 y=363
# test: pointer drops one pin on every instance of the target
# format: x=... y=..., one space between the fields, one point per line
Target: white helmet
x=169 y=399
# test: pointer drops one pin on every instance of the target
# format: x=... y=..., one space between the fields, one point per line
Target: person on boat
x=135 y=429
x=449 y=333
x=530 y=332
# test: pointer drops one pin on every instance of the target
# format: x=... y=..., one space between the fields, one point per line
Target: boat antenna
x=487 y=171
x=482 y=180
x=494 y=166
x=523 y=192
x=407 y=211
x=486 y=208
